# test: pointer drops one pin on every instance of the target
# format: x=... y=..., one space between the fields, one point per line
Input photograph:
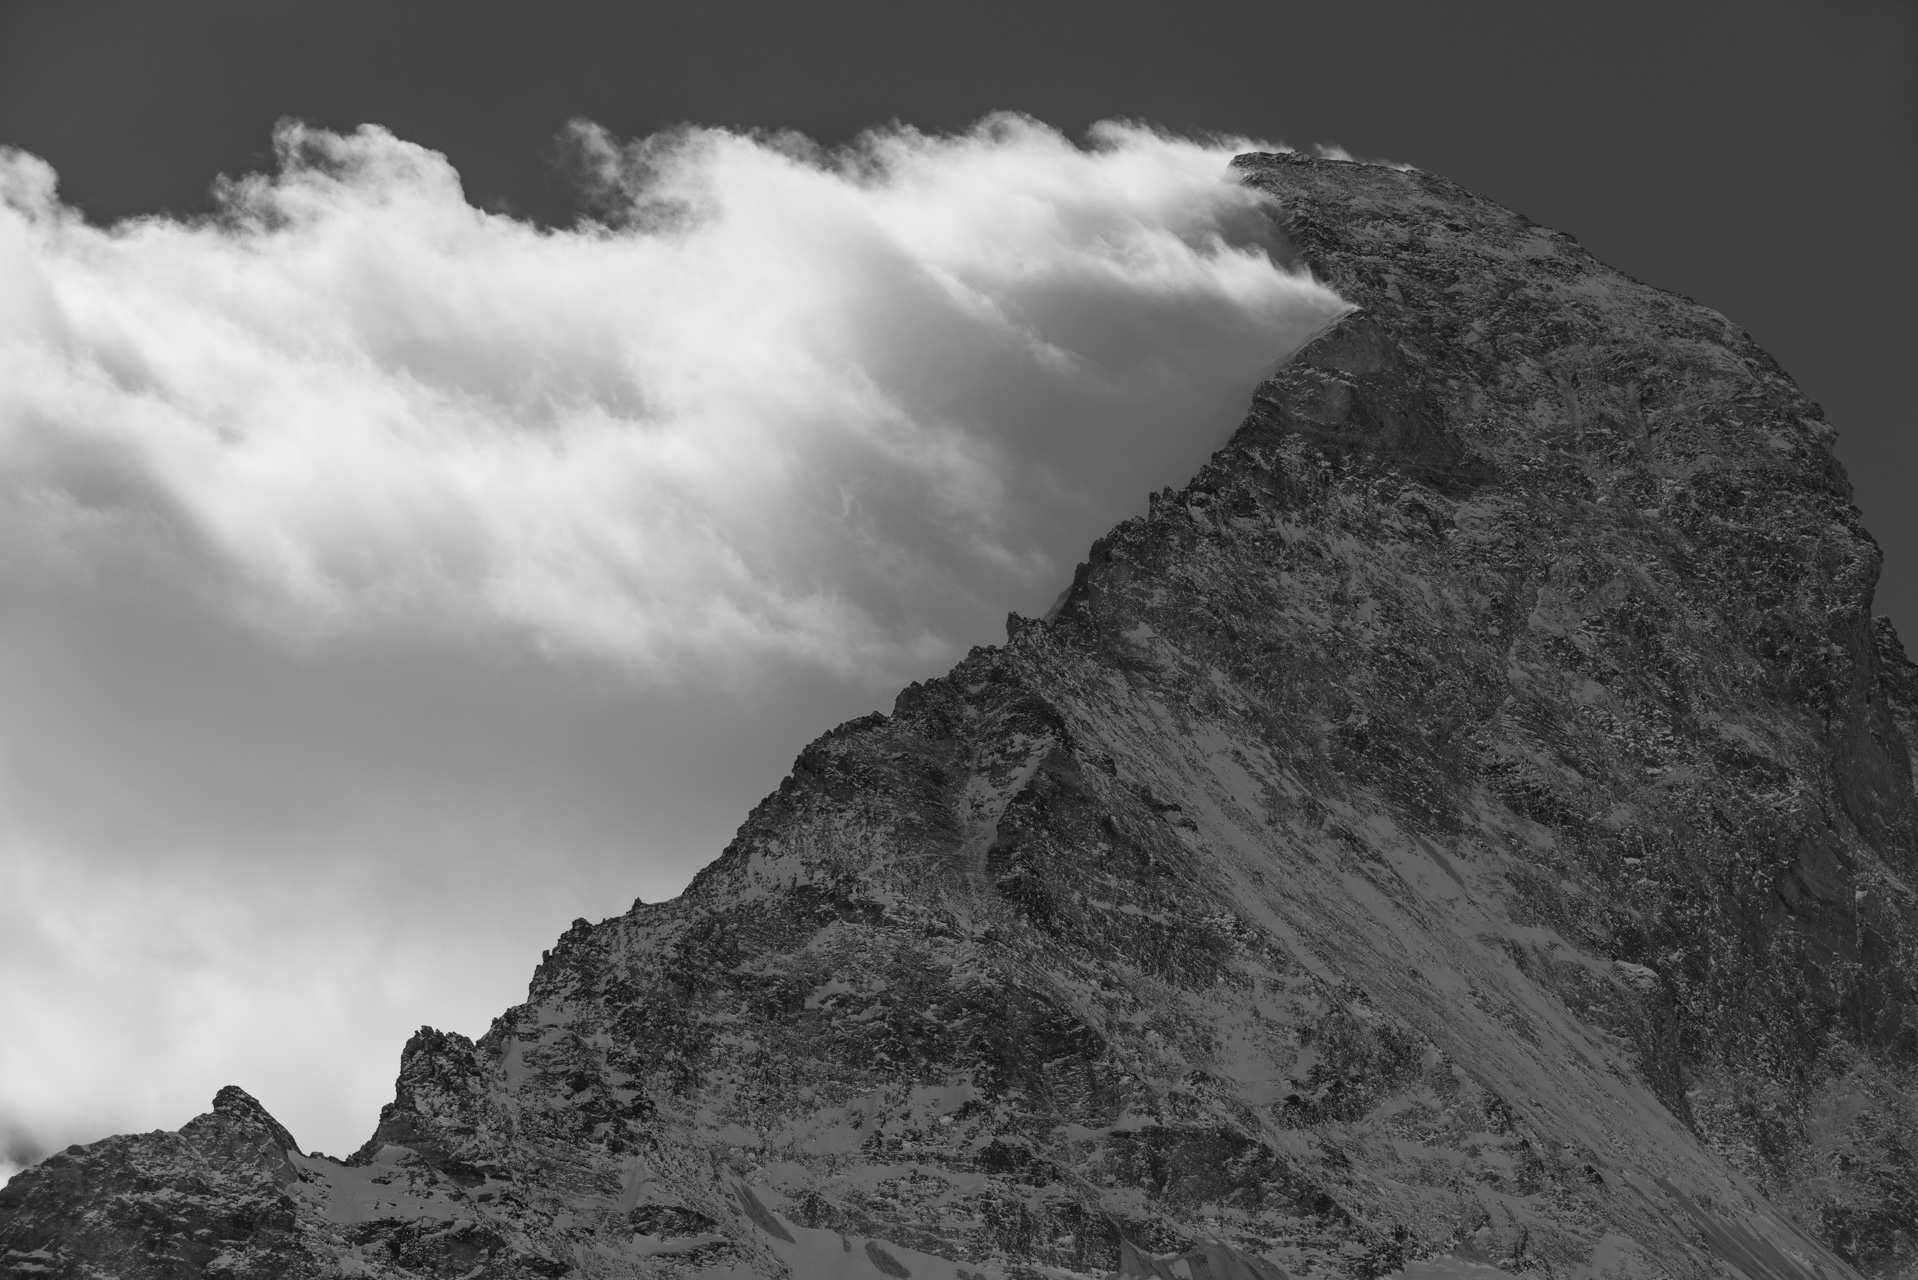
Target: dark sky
x=1758 y=155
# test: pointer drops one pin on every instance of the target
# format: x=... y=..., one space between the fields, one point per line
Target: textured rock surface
x=1470 y=825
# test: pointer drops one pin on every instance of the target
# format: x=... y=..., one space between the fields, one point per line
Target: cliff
x=1469 y=826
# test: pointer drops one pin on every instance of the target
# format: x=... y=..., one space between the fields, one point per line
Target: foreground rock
x=1468 y=826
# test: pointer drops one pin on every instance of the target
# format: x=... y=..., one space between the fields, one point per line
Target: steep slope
x=1469 y=825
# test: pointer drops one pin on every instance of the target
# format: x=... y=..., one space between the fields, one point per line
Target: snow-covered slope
x=1466 y=831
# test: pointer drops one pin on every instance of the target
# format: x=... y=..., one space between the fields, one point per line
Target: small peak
x=239 y=1107
x=433 y=1040
x=237 y=1102
x=430 y=1053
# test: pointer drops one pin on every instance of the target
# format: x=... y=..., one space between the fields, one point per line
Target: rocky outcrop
x=1469 y=826
x=210 y=1199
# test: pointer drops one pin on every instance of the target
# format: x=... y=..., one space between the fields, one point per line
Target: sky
x=452 y=456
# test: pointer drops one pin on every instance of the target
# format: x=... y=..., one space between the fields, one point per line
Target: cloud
x=389 y=581
x=834 y=406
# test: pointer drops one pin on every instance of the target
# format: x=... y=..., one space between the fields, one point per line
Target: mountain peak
x=1467 y=826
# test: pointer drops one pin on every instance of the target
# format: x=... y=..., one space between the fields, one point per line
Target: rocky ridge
x=1468 y=828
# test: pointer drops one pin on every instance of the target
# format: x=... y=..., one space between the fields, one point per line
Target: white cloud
x=839 y=407
x=390 y=581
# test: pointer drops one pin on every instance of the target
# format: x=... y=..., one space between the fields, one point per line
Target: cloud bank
x=838 y=407
x=389 y=580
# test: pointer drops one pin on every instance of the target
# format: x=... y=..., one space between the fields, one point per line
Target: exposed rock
x=1471 y=825
x=209 y=1200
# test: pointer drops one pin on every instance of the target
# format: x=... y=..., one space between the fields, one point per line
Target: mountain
x=1467 y=830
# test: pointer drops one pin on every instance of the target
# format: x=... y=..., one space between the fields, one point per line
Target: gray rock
x=1469 y=826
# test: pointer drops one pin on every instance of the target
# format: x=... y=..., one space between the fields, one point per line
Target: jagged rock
x=209 y=1200
x=1470 y=825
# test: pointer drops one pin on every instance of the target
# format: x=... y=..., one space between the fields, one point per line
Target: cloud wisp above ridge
x=390 y=581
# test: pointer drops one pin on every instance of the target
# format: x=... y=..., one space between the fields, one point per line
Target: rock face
x=1469 y=826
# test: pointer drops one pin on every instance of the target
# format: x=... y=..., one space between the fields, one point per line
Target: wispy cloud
x=389 y=580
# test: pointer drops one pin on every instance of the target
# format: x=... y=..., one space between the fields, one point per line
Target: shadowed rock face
x=1469 y=826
